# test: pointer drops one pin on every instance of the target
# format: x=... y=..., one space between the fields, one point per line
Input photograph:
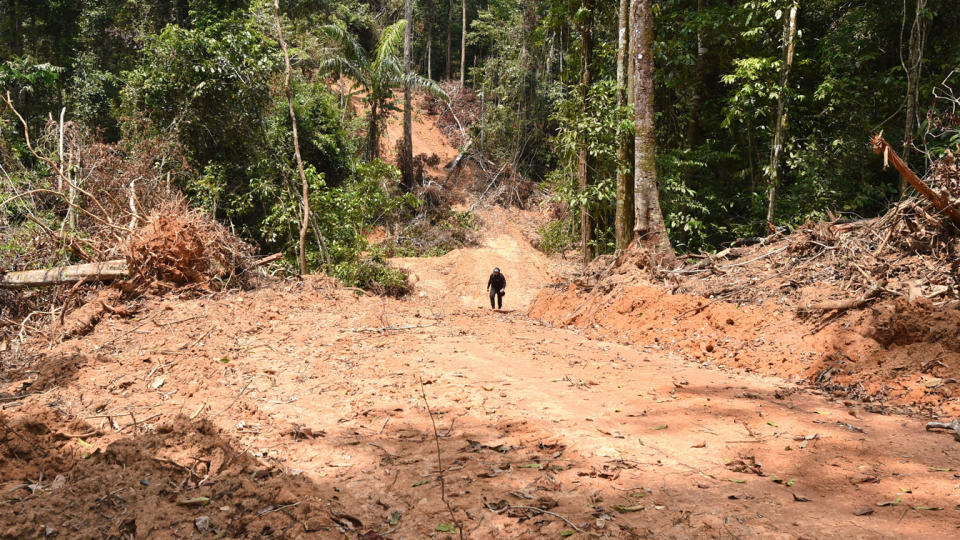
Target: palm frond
x=342 y=66
x=344 y=41
x=430 y=86
x=391 y=40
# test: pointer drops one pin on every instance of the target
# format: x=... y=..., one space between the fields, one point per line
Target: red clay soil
x=896 y=353
x=309 y=420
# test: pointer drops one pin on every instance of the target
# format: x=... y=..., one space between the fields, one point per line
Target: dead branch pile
x=179 y=246
x=456 y=117
x=910 y=252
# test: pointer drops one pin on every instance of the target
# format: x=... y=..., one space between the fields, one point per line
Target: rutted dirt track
x=543 y=431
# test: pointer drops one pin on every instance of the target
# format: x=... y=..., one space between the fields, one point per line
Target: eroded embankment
x=893 y=354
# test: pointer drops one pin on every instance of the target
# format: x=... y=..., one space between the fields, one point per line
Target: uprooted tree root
x=178 y=246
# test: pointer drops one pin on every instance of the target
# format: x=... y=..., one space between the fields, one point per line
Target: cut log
x=890 y=157
x=101 y=271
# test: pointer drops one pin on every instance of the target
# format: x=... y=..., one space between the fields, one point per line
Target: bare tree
x=912 y=66
x=649 y=227
x=624 y=213
x=699 y=83
x=463 y=46
x=305 y=196
x=449 y=38
x=789 y=45
x=406 y=158
x=428 y=31
x=583 y=169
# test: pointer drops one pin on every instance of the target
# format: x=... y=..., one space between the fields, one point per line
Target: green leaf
x=928 y=508
x=395 y=519
x=420 y=483
x=568 y=532
x=940 y=469
x=774 y=424
x=447 y=527
x=792 y=482
x=530 y=466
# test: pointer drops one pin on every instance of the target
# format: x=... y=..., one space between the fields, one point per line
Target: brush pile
x=178 y=246
x=911 y=252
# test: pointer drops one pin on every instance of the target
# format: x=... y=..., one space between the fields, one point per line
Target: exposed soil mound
x=895 y=354
x=181 y=480
x=180 y=246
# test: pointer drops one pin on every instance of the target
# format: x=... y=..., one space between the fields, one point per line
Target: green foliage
x=558 y=236
x=595 y=123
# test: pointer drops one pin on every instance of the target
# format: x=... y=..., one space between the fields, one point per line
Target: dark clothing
x=496 y=284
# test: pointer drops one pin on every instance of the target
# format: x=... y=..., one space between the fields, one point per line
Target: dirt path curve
x=543 y=432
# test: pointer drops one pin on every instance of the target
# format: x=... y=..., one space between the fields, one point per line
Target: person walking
x=497 y=283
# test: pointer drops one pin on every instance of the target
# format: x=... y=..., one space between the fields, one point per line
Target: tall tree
x=789 y=45
x=583 y=169
x=449 y=39
x=463 y=45
x=428 y=30
x=699 y=83
x=649 y=227
x=624 y=212
x=912 y=67
x=406 y=159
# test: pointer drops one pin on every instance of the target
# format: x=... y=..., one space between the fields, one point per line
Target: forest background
x=162 y=97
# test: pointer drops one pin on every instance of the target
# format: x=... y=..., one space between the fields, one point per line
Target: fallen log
x=881 y=146
x=100 y=271
x=952 y=426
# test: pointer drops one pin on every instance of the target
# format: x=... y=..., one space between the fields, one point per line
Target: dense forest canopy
x=188 y=95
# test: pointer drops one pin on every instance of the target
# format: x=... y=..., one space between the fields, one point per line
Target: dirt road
x=542 y=432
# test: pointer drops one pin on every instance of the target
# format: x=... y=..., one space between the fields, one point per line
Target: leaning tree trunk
x=583 y=169
x=305 y=196
x=463 y=46
x=406 y=159
x=789 y=44
x=624 y=213
x=449 y=38
x=918 y=38
x=649 y=228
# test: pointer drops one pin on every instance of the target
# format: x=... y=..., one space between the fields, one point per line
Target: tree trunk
x=624 y=213
x=99 y=271
x=428 y=31
x=449 y=38
x=699 y=84
x=918 y=39
x=789 y=43
x=649 y=227
x=406 y=159
x=305 y=196
x=583 y=170
x=373 y=136
x=463 y=46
